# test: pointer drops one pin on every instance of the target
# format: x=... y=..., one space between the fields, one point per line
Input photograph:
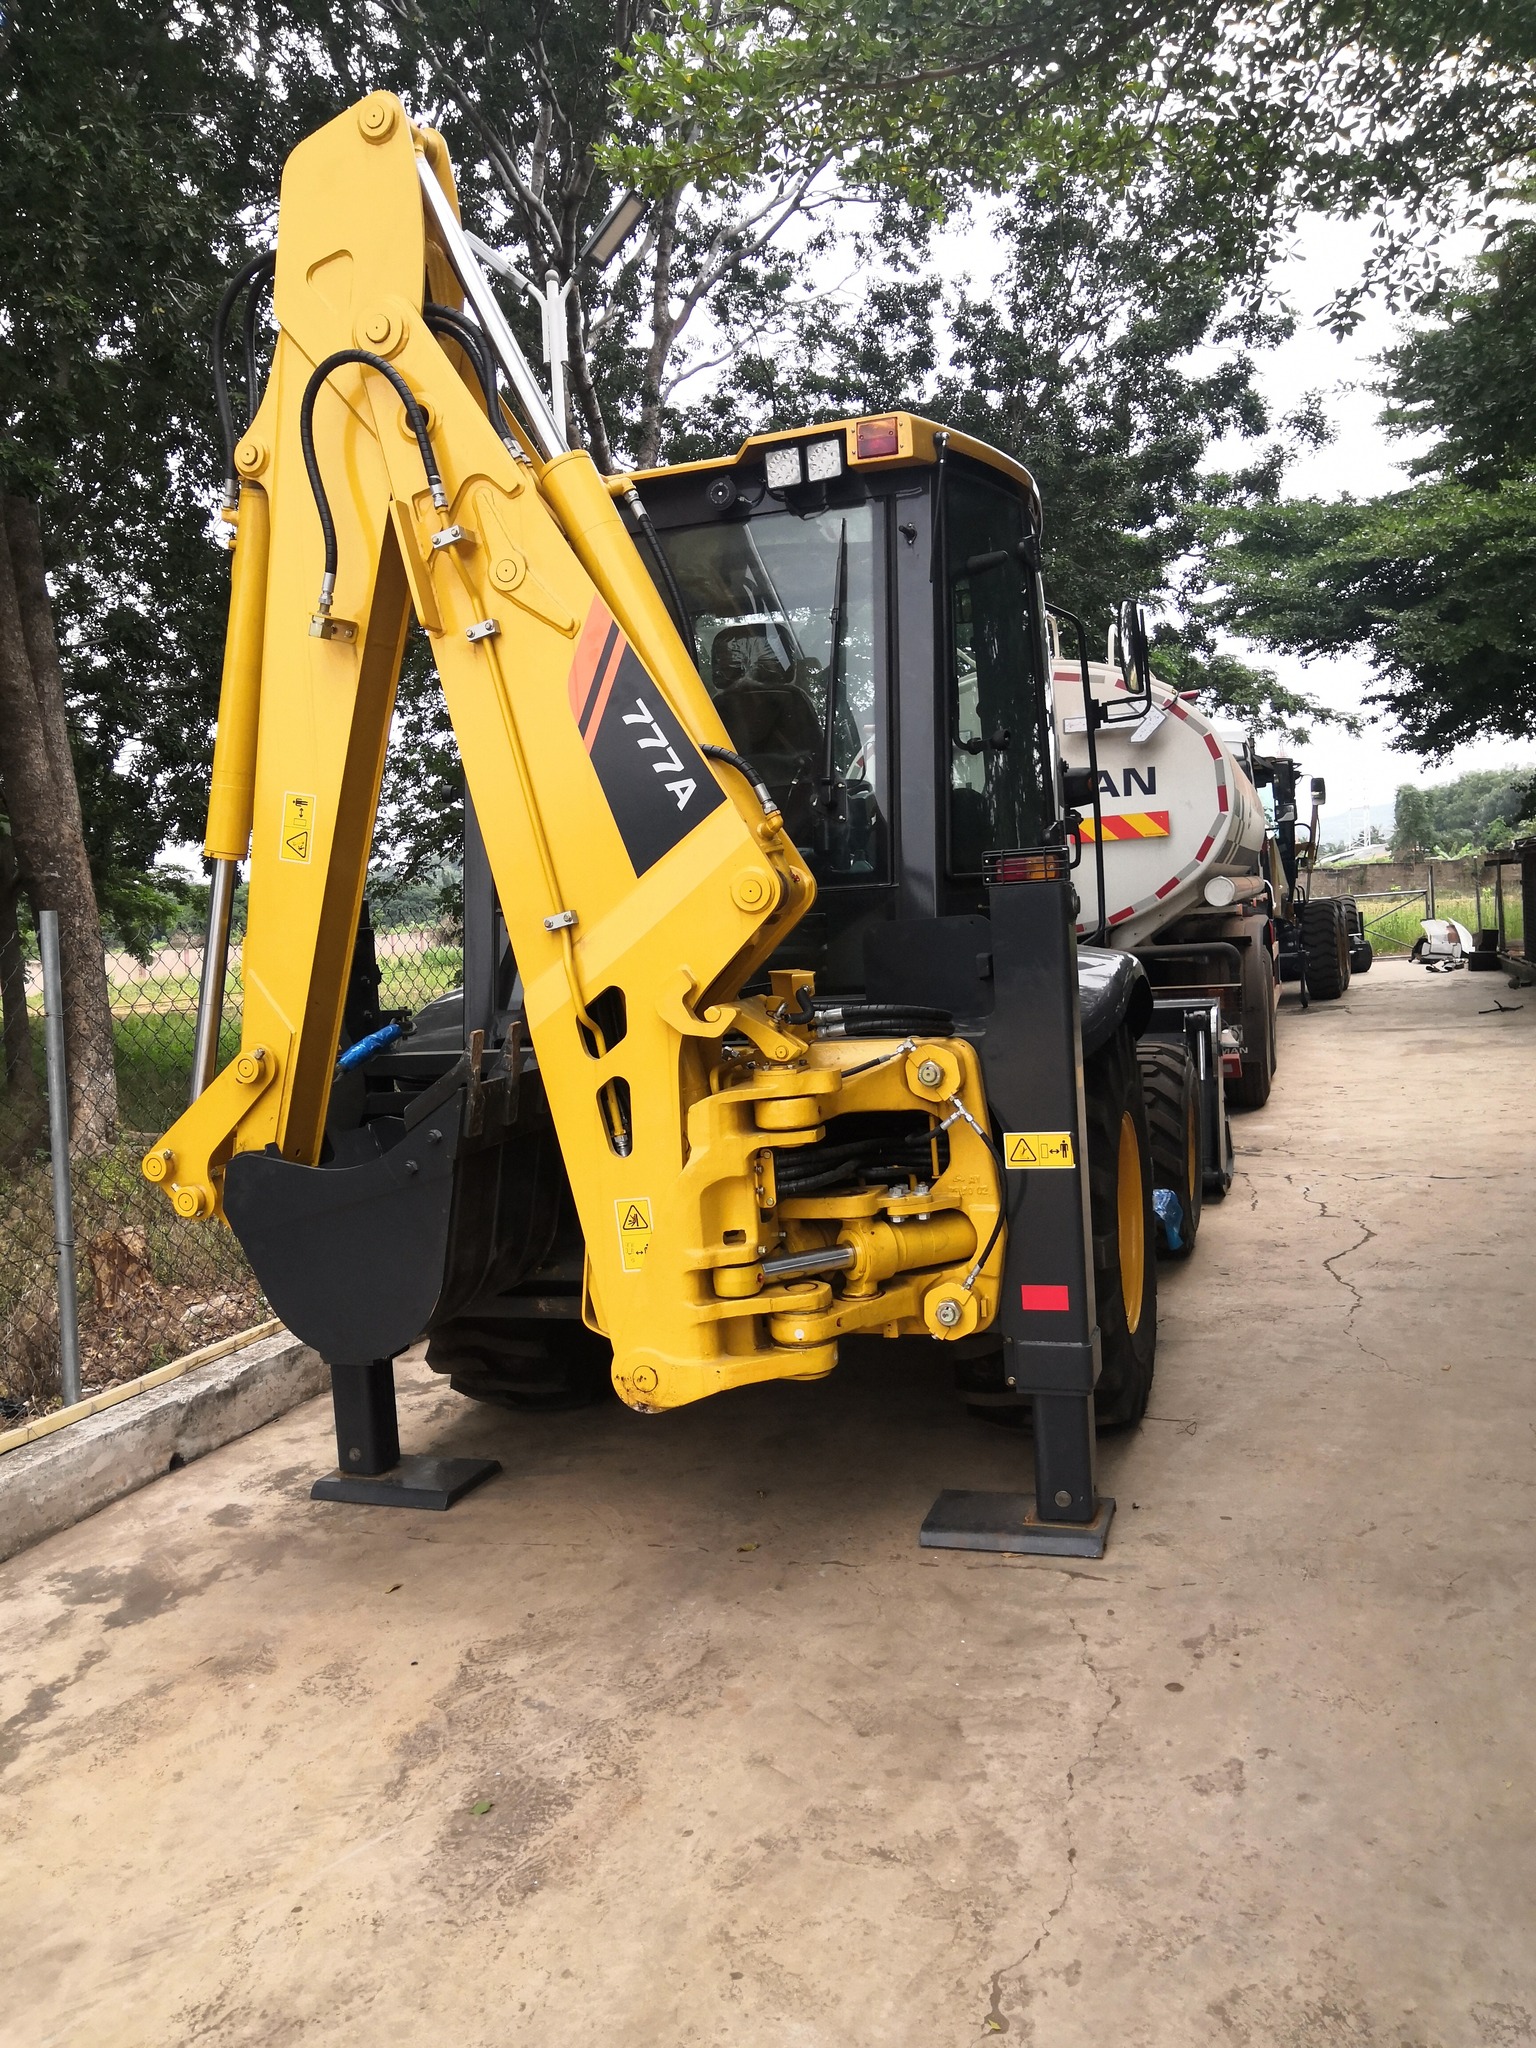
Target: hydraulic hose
x=882 y=1020
x=416 y=419
x=743 y=767
x=247 y=274
x=445 y=320
x=636 y=504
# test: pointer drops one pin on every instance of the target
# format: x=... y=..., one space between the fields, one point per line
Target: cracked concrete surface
x=671 y=1735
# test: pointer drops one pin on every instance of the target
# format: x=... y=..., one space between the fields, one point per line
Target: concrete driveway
x=671 y=1735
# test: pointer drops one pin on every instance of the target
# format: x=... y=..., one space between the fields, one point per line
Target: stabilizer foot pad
x=413 y=1483
x=1006 y=1521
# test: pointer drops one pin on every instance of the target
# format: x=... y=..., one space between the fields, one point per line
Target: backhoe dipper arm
x=374 y=485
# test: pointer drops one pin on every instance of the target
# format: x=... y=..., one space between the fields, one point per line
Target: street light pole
x=605 y=242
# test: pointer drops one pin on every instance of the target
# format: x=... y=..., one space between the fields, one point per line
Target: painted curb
x=59 y=1480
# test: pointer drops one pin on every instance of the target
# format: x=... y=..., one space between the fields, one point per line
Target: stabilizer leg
x=1033 y=1069
x=371 y=1471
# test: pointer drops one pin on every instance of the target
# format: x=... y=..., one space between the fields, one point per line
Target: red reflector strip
x=1054 y=1300
x=1120 y=916
x=1221 y=796
x=1167 y=888
x=1130 y=825
x=1205 y=846
x=1213 y=746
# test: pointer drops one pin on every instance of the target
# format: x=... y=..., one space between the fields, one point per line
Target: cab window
x=996 y=698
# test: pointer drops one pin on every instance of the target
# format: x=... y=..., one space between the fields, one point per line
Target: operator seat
x=770 y=715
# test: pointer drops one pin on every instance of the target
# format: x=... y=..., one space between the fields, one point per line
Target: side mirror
x=1134 y=651
x=1319 y=790
x=1077 y=787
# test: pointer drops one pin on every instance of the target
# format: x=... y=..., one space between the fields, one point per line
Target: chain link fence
x=151 y=1287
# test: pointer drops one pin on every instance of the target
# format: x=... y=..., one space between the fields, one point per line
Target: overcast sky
x=1360 y=461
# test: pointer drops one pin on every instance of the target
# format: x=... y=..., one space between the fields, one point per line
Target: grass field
x=1392 y=928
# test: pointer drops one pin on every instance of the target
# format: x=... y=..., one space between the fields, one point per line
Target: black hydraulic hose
x=246 y=275
x=248 y=345
x=472 y=339
x=882 y=1020
x=801 y=1172
x=743 y=767
x=418 y=424
x=683 y=621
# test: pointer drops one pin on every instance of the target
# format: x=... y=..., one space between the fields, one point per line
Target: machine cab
x=863 y=602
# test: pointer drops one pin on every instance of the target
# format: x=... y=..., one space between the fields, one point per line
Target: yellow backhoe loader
x=774 y=1031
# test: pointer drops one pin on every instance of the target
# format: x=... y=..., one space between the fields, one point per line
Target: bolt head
x=930 y=1073
x=249 y=457
x=948 y=1313
x=376 y=328
x=749 y=891
x=376 y=118
x=1063 y=1498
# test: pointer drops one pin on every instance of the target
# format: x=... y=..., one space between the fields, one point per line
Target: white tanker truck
x=1181 y=867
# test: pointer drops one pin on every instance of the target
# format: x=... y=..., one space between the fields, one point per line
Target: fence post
x=58 y=1147
x=1430 y=869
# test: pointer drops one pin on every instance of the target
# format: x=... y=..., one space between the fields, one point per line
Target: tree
x=523 y=91
x=1433 y=582
x=133 y=133
x=1078 y=361
x=1413 y=824
x=1470 y=812
x=1271 y=109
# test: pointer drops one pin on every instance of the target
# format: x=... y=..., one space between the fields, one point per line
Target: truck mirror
x=1319 y=790
x=1133 y=650
x=1077 y=785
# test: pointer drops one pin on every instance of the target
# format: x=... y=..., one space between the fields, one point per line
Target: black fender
x=1112 y=989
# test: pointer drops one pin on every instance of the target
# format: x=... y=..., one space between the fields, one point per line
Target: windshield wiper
x=834 y=787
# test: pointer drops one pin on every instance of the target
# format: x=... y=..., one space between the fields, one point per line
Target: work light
x=782 y=467
x=824 y=460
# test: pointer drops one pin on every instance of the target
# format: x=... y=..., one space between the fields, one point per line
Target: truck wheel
x=1361 y=956
x=1327 y=949
x=1170 y=1089
x=1124 y=1238
x=1251 y=1089
x=538 y=1367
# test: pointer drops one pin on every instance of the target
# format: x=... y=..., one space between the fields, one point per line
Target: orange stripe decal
x=1130 y=825
x=605 y=690
x=589 y=653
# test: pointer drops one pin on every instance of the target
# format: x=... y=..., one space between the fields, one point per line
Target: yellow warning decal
x=1024 y=1149
x=634 y=1221
x=298 y=842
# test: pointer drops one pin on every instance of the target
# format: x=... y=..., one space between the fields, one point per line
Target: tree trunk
x=663 y=334
x=582 y=397
x=42 y=800
x=20 y=1074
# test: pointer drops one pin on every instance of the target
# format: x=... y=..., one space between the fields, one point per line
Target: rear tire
x=1124 y=1237
x=1251 y=1089
x=1327 y=948
x=542 y=1367
x=1170 y=1089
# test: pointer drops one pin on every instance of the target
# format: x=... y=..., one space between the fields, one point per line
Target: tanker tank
x=1191 y=877
x=1176 y=807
